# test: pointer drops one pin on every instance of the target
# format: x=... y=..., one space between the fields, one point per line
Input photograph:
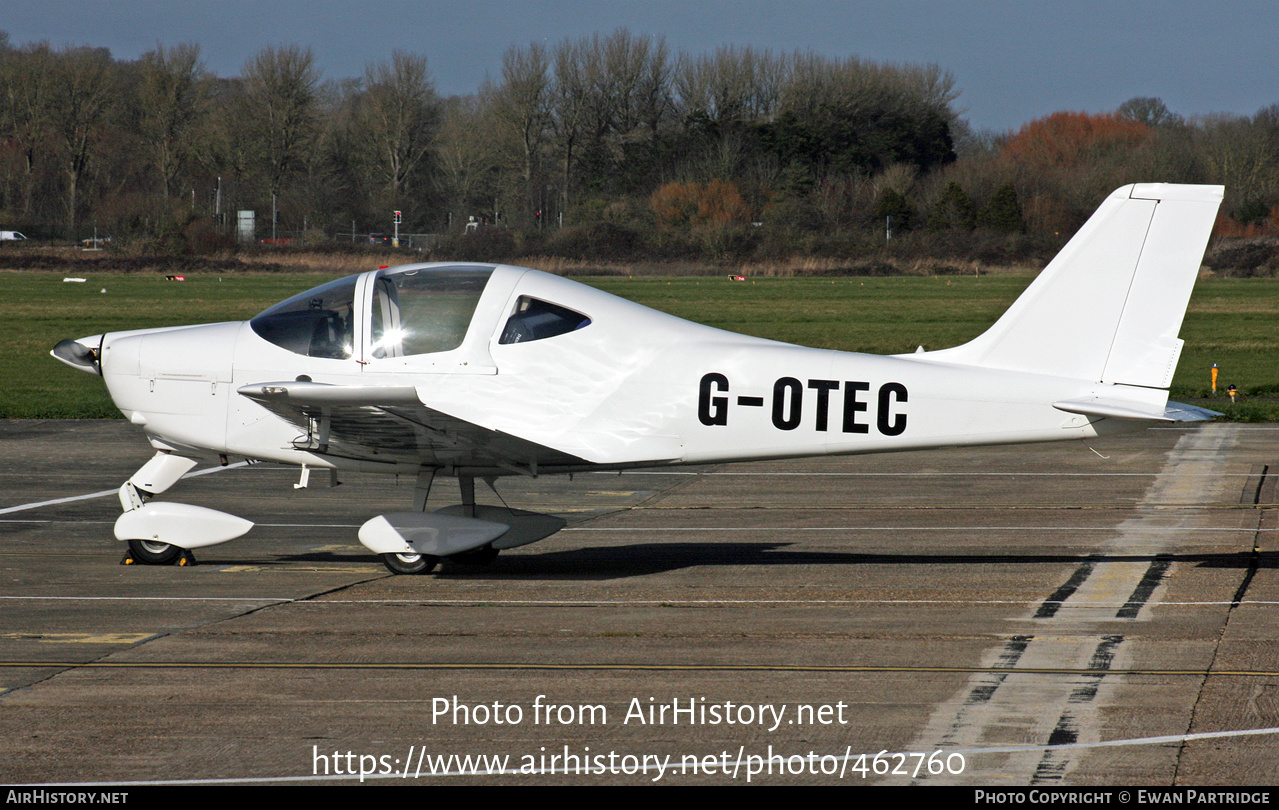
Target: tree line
x=607 y=144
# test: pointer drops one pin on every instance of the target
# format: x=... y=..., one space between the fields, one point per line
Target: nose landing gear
x=165 y=533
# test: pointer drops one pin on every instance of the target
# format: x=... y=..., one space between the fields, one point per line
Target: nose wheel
x=410 y=563
x=153 y=552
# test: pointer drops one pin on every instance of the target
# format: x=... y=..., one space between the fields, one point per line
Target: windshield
x=318 y=323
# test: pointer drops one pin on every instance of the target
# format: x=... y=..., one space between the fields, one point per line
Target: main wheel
x=153 y=552
x=409 y=563
x=484 y=555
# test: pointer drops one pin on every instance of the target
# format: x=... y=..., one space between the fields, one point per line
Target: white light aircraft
x=480 y=371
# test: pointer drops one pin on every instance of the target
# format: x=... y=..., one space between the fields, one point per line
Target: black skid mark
x=1052 y=766
x=1149 y=581
x=1053 y=603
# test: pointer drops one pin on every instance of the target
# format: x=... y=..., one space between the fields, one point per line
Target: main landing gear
x=410 y=563
x=464 y=534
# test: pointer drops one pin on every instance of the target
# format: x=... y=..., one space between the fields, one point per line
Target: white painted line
x=280 y=599
x=26 y=506
x=659 y=602
x=1009 y=474
x=480 y=600
x=111 y=522
x=901 y=528
x=311 y=525
x=107 y=492
x=1171 y=738
x=50 y=520
x=912 y=528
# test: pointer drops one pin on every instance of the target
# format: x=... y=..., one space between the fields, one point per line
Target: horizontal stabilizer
x=1115 y=409
x=1181 y=412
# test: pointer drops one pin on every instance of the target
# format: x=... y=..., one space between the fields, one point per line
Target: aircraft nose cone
x=78 y=356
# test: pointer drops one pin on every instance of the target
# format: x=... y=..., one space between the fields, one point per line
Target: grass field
x=1231 y=322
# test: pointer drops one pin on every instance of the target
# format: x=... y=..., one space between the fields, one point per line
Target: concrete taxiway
x=1052 y=615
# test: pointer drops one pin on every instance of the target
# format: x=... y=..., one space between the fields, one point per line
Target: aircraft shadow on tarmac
x=642 y=559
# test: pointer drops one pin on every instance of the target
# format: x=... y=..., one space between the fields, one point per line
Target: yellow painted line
x=82 y=638
x=1072 y=672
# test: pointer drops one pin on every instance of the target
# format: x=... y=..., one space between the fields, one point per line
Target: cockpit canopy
x=413 y=310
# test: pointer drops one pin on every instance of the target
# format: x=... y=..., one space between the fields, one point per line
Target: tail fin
x=1109 y=306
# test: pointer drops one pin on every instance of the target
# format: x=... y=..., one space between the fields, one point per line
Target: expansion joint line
x=1259 y=493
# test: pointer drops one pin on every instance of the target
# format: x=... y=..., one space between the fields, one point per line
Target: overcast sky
x=1012 y=61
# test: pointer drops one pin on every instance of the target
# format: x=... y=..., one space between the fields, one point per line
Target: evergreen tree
x=954 y=209
x=1002 y=212
x=893 y=203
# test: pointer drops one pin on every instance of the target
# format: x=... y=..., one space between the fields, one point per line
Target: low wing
x=390 y=423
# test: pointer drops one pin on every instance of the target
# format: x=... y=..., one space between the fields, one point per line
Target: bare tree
x=621 y=93
x=521 y=107
x=1149 y=111
x=732 y=85
x=279 y=120
x=575 y=66
x=399 y=117
x=172 y=101
x=81 y=98
x=466 y=159
x=25 y=79
x=1242 y=154
x=625 y=59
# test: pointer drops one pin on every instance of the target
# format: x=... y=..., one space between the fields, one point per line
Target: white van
x=10 y=236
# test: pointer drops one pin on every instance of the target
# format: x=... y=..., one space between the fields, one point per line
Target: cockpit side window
x=535 y=319
x=318 y=323
x=425 y=311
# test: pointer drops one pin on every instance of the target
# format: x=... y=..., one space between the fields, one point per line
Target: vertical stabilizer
x=1109 y=306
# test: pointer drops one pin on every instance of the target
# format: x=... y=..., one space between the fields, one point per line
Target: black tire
x=409 y=563
x=484 y=555
x=153 y=552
